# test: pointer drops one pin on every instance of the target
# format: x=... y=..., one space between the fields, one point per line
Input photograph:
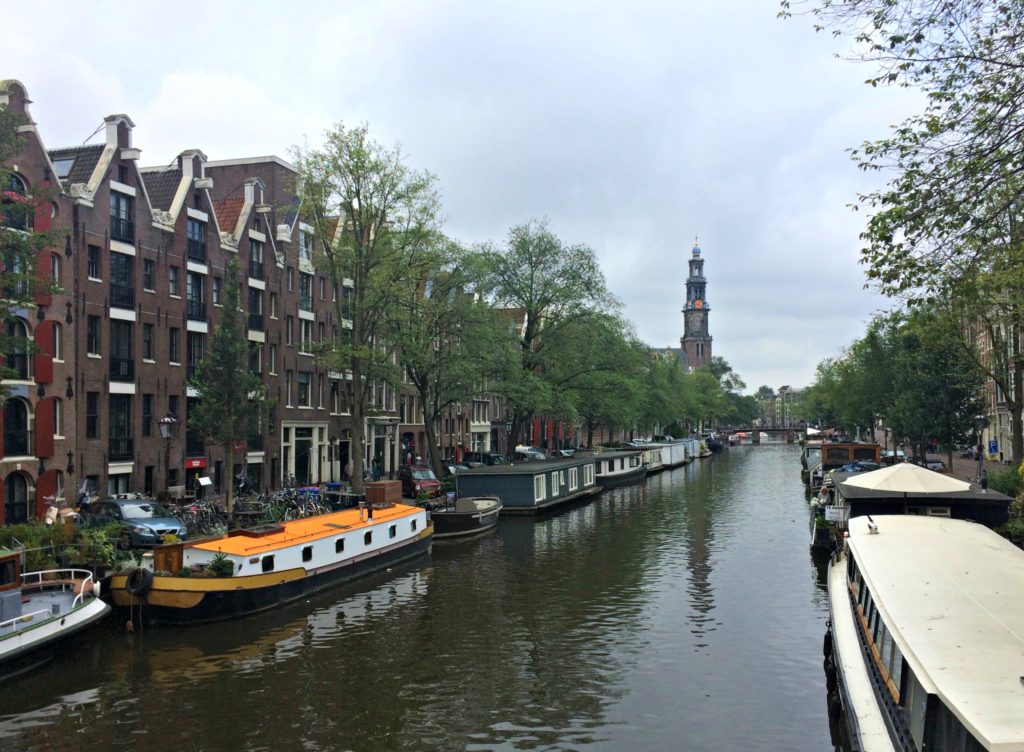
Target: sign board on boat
x=837 y=514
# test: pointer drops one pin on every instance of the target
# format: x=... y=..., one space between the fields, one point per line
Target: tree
x=21 y=242
x=449 y=341
x=958 y=164
x=550 y=289
x=376 y=220
x=232 y=401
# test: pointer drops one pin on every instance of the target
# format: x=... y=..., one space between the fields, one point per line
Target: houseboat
x=620 y=467
x=531 y=487
x=925 y=640
x=38 y=609
x=651 y=455
x=810 y=457
x=837 y=454
x=464 y=516
x=677 y=452
x=247 y=571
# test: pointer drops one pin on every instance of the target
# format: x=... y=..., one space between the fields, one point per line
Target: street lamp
x=508 y=436
x=390 y=425
x=457 y=457
x=167 y=425
x=979 y=425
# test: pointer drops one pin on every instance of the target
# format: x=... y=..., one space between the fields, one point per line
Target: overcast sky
x=634 y=127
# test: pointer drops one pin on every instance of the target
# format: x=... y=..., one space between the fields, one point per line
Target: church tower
x=696 y=342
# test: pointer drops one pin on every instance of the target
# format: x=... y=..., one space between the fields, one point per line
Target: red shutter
x=44 y=354
x=45 y=486
x=43 y=279
x=44 y=427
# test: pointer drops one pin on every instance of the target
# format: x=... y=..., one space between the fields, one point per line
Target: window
x=305 y=246
x=147 y=341
x=215 y=291
x=288 y=388
x=539 y=488
x=92 y=415
x=147 y=414
x=554 y=484
x=304 y=380
x=122 y=282
x=413 y=526
x=93 y=265
x=172 y=405
x=291 y=279
x=58 y=341
x=147 y=275
x=122 y=225
x=195 y=346
x=58 y=416
x=289 y=325
x=92 y=335
x=339 y=545
x=55 y=269
x=272 y=358
x=306 y=332
x=273 y=305
x=15 y=207
x=574 y=481
x=196 y=240
x=393 y=531
x=268 y=563
x=307 y=553
x=323 y=289
x=305 y=291
x=173 y=280
x=195 y=296
x=255 y=259
x=255 y=349
x=173 y=343
x=368 y=537
x=588 y=475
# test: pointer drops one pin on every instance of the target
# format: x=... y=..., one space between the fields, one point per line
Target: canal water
x=685 y=613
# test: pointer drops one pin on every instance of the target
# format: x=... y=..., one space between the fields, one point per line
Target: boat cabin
x=530 y=487
x=625 y=466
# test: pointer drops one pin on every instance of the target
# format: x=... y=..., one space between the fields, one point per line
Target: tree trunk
x=229 y=498
x=1015 y=404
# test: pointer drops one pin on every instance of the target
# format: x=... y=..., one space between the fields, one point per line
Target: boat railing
x=11 y=624
x=78 y=580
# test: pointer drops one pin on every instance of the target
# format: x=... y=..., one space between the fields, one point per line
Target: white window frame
x=554 y=484
x=539 y=487
x=574 y=479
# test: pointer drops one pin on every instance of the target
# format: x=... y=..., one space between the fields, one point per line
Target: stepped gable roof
x=161 y=185
x=228 y=211
x=85 y=160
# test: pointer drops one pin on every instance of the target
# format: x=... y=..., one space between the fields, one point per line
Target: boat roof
x=534 y=466
x=616 y=453
x=308 y=529
x=950 y=590
x=973 y=494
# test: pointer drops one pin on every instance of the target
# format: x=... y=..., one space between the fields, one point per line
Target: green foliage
x=376 y=222
x=232 y=400
x=1013 y=530
x=1005 y=481
x=220 y=566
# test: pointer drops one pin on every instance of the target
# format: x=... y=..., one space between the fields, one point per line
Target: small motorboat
x=466 y=515
x=38 y=609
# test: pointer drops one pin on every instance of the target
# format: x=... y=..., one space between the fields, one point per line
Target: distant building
x=696 y=339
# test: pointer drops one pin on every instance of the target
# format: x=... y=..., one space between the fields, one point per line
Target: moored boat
x=925 y=635
x=38 y=609
x=247 y=571
x=532 y=487
x=619 y=468
x=465 y=516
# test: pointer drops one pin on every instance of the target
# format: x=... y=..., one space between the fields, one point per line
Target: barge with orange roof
x=271 y=565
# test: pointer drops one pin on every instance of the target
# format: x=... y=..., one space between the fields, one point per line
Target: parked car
x=474 y=459
x=937 y=465
x=529 y=454
x=557 y=454
x=455 y=468
x=146 y=522
x=418 y=482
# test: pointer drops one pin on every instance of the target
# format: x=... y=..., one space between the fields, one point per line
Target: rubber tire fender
x=138 y=581
x=826 y=647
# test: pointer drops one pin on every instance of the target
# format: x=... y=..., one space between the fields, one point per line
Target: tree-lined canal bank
x=682 y=613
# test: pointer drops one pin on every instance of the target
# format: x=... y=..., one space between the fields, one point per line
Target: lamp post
x=508 y=437
x=979 y=426
x=391 y=424
x=167 y=425
x=457 y=456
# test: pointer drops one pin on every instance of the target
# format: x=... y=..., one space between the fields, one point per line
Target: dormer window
x=122 y=174
x=16 y=206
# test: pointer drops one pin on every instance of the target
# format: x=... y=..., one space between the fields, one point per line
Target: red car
x=419 y=482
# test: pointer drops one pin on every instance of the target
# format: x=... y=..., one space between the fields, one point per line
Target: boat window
x=268 y=563
x=866 y=453
x=368 y=537
x=414 y=525
x=938 y=511
x=538 y=488
x=878 y=630
x=307 y=553
x=393 y=531
x=885 y=650
x=574 y=480
x=914 y=702
x=339 y=545
x=897 y=667
x=8 y=572
x=554 y=484
x=947 y=732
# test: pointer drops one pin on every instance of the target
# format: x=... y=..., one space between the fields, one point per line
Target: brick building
x=142 y=270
